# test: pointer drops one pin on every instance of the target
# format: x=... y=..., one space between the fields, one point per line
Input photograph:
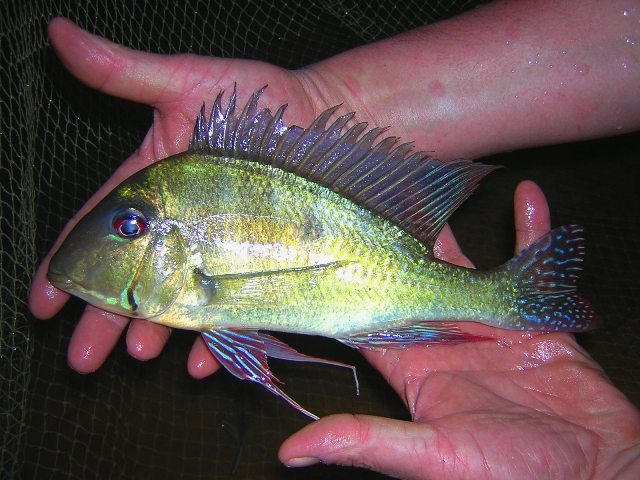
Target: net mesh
x=59 y=141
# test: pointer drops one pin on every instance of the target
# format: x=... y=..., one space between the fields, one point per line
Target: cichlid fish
x=321 y=231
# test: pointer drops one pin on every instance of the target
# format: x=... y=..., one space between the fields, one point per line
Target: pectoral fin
x=257 y=288
x=244 y=353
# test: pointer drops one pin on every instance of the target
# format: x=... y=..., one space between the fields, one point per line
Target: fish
x=326 y=230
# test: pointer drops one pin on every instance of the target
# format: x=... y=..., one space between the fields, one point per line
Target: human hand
x=527 y=406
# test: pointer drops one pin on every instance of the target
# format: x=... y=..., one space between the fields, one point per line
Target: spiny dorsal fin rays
x=327 y=154
x=214 y=132
x=412 y=190
x=307 y=142
x=272 y=132
x=338 y=149
x=198 y=130
x=346 y=147
x=228 y=125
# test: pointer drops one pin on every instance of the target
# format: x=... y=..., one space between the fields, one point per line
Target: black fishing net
x=59 y=141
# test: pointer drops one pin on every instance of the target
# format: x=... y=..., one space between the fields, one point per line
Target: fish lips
x=59 y=278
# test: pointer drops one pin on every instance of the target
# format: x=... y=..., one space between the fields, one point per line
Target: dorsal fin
x=414 y=191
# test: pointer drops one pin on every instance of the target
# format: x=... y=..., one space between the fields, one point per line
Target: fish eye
x=129 y=223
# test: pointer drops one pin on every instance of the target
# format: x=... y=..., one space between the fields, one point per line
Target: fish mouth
x=62 y=280
x=59 y=279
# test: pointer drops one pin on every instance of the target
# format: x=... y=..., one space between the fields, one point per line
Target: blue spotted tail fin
x=545 y=277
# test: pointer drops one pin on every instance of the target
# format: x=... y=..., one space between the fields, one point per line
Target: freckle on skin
x=436 y=88
x=353 y=85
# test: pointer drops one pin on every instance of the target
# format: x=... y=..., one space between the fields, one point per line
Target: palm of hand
x=535 y=406
x=517 y=401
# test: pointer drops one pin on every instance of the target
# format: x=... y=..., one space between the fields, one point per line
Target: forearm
x=501 y=77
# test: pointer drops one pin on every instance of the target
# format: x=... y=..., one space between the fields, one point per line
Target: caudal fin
x=545 y=277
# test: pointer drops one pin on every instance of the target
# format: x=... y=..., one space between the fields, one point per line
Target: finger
x=175 y=85
x=446 y=248
x=201 y=363
x=114 y=69
x=532 y=219
x=93 y=340
x=45 y=300
x=393 y=447
x=145 y=340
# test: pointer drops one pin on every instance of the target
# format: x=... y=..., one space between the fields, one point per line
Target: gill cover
x=160 y=276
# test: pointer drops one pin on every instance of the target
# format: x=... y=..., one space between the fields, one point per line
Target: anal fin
x=426 y=333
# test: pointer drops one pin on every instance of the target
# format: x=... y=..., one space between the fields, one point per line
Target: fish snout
x=58 y=277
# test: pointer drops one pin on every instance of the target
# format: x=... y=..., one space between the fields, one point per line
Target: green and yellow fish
x=327 y=231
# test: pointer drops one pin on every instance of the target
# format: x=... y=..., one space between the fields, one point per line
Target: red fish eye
x=129 y=224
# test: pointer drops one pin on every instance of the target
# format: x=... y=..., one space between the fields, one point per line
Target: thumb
x=123 y=72
x=393 y=447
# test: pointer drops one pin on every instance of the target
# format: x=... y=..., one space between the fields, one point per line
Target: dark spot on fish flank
x=131 y=299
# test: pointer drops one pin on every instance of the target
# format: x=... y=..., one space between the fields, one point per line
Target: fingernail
x=301 y=461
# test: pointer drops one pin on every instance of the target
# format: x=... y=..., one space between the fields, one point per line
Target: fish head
x=124 y=256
